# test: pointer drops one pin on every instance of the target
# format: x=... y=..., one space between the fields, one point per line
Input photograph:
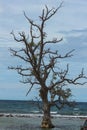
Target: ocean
x=28 y=107
x=25 y=115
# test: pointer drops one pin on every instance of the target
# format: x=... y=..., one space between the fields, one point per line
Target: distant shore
x=10 y=121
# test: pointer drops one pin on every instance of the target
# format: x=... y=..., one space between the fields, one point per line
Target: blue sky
x=70 y=23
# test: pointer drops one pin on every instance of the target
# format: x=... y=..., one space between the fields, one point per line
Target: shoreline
x=41 y=115
x=16 y=121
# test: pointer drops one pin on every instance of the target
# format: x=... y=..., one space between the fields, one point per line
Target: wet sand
x=32 y=122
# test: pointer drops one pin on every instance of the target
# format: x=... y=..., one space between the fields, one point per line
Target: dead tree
x=42 y=65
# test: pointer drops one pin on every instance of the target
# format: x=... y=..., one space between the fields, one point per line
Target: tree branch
x=53 y=41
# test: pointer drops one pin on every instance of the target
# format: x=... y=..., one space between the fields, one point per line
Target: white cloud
x=76 y=39
x=71 y=18
x=1 y=10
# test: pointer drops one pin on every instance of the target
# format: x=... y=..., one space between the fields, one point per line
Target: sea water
x=27 y=107
x=34 y=122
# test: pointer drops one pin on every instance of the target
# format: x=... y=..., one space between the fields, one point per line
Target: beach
x=33 y=121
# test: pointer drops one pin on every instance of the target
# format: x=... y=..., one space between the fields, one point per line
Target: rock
x=84 y=127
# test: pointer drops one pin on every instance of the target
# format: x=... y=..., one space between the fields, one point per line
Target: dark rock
x=84 y=127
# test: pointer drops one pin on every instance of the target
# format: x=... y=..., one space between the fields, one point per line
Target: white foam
x=40 y=115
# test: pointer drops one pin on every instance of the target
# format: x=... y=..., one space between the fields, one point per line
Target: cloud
x=71 y=18
x=74 y=31
x=17 y=6
x=1 y=10
x=76 y=39
x=12 y=17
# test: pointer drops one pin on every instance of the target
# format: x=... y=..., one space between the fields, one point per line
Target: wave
x=41 y=115
x=30 y=107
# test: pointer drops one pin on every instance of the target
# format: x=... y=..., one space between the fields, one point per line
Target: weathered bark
x=46 y=121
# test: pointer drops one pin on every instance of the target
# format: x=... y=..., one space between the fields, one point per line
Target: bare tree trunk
x=46 y=121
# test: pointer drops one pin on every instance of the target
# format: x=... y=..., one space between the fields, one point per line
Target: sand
x=31 y=122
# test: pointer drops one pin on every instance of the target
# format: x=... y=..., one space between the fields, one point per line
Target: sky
x=70 y=22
